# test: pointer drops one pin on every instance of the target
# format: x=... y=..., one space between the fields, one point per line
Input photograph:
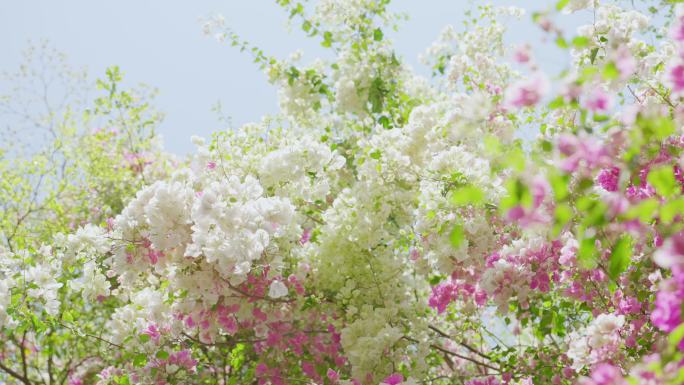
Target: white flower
x=92 y=282
x=277 y=289
x=578 y=351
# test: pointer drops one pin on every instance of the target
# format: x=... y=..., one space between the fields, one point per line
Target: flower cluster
x=385 y=228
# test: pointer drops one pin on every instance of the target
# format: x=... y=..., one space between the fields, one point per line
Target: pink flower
x=625 y=62
x=333 y=376
x=588 y=152
x=527 y=92
x=629 y=305
x=608 y=178
x=310 y=370
x=260 y=315
x=183 y=359
x=672 y=252
x=153 y=332
x=606 y=374
x=306 y=236
x=676 y=77
x=598 y=101
x=515 y=213
x=261 y=369
x=568 y=372
x=677 y=31
x=393 y=379
x=667 y=314
x=523 y=54
x=189 y=322
x=442 y=295
x=211 y=165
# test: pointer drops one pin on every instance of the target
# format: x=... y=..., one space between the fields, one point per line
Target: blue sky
x=160 y=43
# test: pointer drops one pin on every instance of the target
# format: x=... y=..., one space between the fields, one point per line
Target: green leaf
x=670 y=210
x=144 y=338
x=610 y=71
x=377 y=34
x=561 y=4
x=162 y=354
x=645 y=210
x=467 y=195
x=456 y=237
x=557 y=103
x=140 y=360
x=592 y=55
x=435 y=279
x=327 y=39
x=658 y=128
x=516 y=158
x=559 y=185
x=518 y=194
x=561 y=43
x=562 y=215
x=580 y=41
x=376 y=154
x=587 y=254
x=237 y=356
x=676 y=336
x=620 y=256
x=492 y=144
x=376 y=95
x=593 y=210
x=123 y=380
x=663 y=180
x=67 y=317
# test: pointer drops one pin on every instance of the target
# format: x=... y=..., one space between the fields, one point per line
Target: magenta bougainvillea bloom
x=527 y=92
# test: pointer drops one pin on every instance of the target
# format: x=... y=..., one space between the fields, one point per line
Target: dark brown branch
x=465 y=345
x=23 y=355
x=14 y=374
x=449 y=352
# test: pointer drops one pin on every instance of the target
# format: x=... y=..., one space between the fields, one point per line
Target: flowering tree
x=384 y=228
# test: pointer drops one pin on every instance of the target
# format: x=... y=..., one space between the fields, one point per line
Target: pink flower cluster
x=445 y=293
x=582 y=154
x=605 y=374
x=667 y=314
x=527 y=92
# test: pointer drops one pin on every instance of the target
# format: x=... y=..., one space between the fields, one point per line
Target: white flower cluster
x=480 y=49
x=233 y=224
x=297 y=94
x=93 y=284
x=597 y=342
x=146 y=306
x=614 y=29
x=367 y=340
x=44 y=284
x=296 y=169
x=38 y=282
x=86 y=243
x=216 y=222
x=6 y=285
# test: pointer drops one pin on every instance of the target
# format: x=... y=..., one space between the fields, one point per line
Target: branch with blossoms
x=501 y=223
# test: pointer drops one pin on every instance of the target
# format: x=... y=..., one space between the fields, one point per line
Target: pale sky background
x=160 y=43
